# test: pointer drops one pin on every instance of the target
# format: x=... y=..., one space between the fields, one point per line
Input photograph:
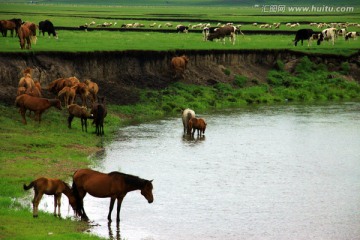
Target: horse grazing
x=99 y=113
x=198 y=124
x=35 y=104
x=187 y=114
x=80 y=112
x=179 y=64
x=114 y=185
x=54 y=187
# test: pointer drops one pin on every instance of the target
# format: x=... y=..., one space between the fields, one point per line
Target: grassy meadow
x=96 y=40
x=51 y=149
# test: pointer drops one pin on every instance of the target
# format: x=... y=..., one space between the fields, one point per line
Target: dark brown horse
x=114 y=185
x=50 y=186
x=198 y=124
x=99 y=112
x=12 y=25
x=35 y=104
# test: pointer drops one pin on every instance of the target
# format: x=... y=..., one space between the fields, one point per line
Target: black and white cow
x=182 y=29
x=222 y=32
x=303 y=34
x=47 y=26
x=327 y=34
x=352 y=35
x=207 y=30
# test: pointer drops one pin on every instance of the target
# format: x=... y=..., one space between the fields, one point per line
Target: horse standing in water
x=198 y=124
x=114 y=185
x=50 y=186
x=187 y=114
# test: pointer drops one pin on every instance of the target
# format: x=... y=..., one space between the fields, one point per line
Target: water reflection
x=117 y=235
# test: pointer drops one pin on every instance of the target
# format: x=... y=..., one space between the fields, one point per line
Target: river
x=267 y=172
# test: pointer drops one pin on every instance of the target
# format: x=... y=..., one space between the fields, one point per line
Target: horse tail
x=79 y=202
x=33 y=39
x=31 y=185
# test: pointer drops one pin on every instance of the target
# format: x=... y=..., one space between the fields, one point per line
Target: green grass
x=79 y=41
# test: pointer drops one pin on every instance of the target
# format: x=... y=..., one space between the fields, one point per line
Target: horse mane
x=130 y=179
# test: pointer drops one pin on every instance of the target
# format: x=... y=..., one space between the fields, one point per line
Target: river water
x=269 y=172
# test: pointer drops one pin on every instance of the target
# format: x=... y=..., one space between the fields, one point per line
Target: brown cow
x=198 y=124
x=179 y=64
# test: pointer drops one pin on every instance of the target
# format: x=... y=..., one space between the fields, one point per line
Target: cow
x=207 y=30
x=352 y=35
x=47 y=26
x=341 y=32
x=179 y=64
x=222 y=32
x=303 y=34
x=326 y=34
x=182 y=29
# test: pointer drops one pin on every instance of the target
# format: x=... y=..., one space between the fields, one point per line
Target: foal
x=80 y=112
x=50 y=186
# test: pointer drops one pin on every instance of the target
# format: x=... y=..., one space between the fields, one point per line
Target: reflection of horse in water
x=187 y=114
x=198 y=124
x=114 y=185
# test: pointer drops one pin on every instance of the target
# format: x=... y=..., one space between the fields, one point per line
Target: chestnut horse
x=187 y=114
x=80 y=112
x=198 y=124
x=35 y=104
x=26 y=36
x=114 y=185
x=50 y=186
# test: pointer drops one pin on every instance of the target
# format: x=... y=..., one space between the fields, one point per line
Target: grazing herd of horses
x=29 y=97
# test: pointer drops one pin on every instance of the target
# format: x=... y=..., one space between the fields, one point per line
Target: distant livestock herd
x=26 y=31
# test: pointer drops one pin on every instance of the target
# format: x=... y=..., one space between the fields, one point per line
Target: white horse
x=187 y=114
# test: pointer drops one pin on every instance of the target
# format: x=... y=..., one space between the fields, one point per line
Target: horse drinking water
x=50 y=186
x=114 y=185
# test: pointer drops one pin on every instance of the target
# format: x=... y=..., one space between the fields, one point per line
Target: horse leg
x=120 y=199
x=22 y=112
x=112 y=201
x=57 y=203
x=36 y=202
x=70 y=118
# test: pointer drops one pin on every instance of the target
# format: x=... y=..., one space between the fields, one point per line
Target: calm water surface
x=279 y=172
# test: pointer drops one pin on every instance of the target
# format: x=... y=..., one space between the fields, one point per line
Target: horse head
x=146 y=191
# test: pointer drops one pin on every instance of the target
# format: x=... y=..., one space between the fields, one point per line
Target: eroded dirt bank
x=119 y=74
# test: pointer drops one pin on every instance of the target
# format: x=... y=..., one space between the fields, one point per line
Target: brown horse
x=99 y=112
x=68 y=94
x=26 y=36
x=12 y=24
x=179 y=64
x=93 y=90
x=35 y=104
x=198 y=124
x=80 y=112
x=114 y=185
x=50 y=186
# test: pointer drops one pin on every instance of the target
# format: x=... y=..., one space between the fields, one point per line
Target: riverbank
x=228 y=81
